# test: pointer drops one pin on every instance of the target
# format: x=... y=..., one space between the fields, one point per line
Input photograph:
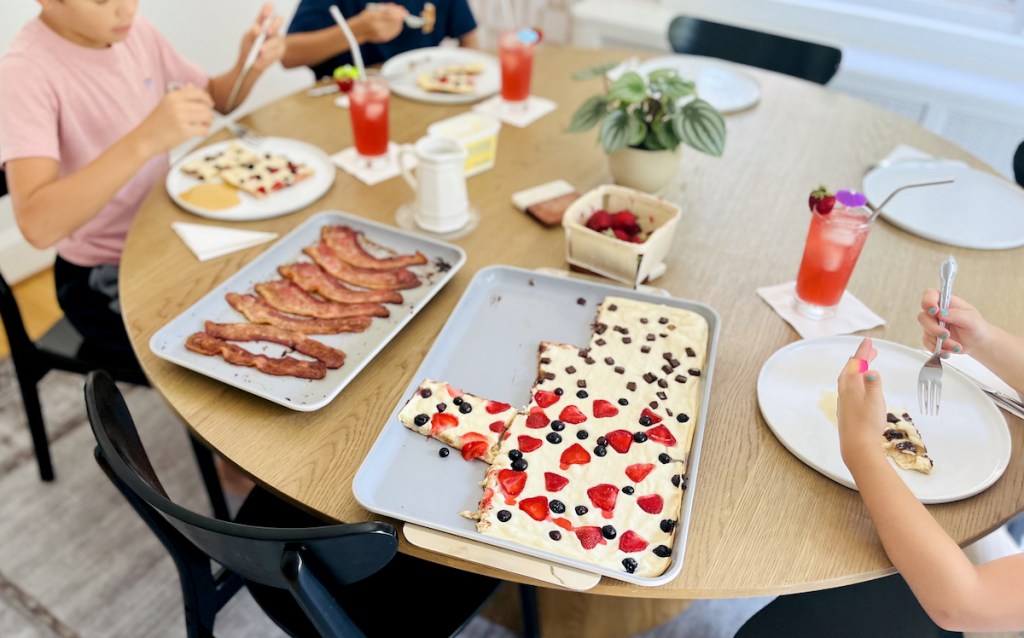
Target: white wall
x=208 y=32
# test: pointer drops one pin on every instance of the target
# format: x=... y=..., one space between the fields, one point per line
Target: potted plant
x=644 y=121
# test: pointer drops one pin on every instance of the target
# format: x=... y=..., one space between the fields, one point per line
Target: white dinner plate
x=403 y=70
x=720 y=85
x=978 y=210
x=968 y=440
x=282 y=202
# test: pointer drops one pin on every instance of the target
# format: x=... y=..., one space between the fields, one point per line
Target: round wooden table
x=762 y=522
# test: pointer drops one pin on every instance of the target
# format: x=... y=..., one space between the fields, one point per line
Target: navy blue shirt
x=454 y=19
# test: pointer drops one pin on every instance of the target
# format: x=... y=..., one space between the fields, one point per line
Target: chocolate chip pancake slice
x=904 y=445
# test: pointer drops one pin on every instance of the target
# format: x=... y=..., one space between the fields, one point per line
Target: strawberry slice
x=571 y=414
x=536 y=507
x=497 y=427
x=564 y=523
x=604 y=409
x=651 y=503
x=639 y=471
x=574 y=455
x=660 y=434
x=554 y=482
x=453 y=392
x=653 y=416
x=603 y=496
x=512 y=482
x=494 y=407
x=631 y=542
x=545 y=398
x=442 y=421
x=620 y=440
x=537 y=419
x=590 y=536
x=528 y=443
x=474 y=444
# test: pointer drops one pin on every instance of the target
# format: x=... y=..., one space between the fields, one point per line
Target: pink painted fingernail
x=863 y=363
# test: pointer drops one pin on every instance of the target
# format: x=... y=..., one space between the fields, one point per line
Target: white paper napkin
x=208 y=242
x=851 y=315
x=349 y=161
x=536 y=108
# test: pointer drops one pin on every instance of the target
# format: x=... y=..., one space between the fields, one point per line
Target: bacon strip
x=344 y=241
x=312 y=278
x=332 y=357
x=207 y=344
x=258 y=311
x=398 y=279
x=287 y=297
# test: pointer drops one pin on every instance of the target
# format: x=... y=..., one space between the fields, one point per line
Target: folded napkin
x=535 y=108
x=851 y=315
x=208 y=242
x=378 y=171
x=906 y=153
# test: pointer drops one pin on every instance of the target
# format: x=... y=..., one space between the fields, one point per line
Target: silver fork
x=929 y=380
x=244 y=133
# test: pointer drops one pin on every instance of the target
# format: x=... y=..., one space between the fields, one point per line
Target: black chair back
x=21 y=346
x=814 y=62
x=1018 y=164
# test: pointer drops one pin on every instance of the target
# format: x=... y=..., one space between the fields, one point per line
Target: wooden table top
x=762 y=521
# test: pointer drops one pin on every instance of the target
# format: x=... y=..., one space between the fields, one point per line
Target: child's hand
x=967 y=330
x=182 y=114
x=382 y=24
x=273 y=46
x=861 y=406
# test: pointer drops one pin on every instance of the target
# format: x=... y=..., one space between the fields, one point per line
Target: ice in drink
x=368 y=105
x=834 y=242
x=515 y=51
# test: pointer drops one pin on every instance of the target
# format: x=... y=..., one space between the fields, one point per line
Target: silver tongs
x=250 y=60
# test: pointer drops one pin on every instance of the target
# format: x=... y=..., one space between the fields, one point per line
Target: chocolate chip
x=613 y=307
x=649 y=378
x=549 y=376
x=609 y=361
x=600 y=342
x=694 y=372
x=622 y=329
x=667 y=369
x=571 y=370
x=690 y=352
x=545 y=360
x=649 y=337
x=653 y=404
x=662 y=383
x=674 y=362
x=662 y=396
x=620 y=369
x=643 y=319
x=600 y=328
x=581 y=383
x=589 y=360
x=581 y=301
x=631 y=386
x=645 y=349
x=891 y=418
x=680 y=378
x=662 y=334
x=663 y=320
x=627 y=340
x=584 y=352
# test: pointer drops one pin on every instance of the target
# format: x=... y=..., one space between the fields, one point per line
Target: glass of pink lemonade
x=368 y=106
x=839 y=228
x=515 y=52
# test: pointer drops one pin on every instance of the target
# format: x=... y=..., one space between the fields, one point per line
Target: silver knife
x=250 y=59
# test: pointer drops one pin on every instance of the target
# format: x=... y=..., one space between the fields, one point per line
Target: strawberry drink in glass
x=368 y=105
x=515 y=51
x=839 y=227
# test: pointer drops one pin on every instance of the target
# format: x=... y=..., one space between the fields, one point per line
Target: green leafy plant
x=655 y=113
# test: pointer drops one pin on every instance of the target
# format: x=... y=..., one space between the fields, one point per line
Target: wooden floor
x=37 y=300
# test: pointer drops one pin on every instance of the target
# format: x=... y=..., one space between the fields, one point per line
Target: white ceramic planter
x=647 y=171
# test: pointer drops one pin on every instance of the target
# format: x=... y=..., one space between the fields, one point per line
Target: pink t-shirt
x=70 y=103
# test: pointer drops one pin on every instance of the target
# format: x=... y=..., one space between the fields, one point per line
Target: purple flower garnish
x=851 y=199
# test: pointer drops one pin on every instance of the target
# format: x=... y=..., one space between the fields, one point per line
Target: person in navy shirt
x=314 y=40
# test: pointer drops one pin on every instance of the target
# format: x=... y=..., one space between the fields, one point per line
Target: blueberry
x=645 y=420
x=443 y=452
x=582 y=435
x=555 y=535
x=557 y=425
x=465 y=408
x=628 y=490
x=623 y=401
x=662 y=551
x=682 y=418
x=554 y=437
x=677 y=480
x=664 y=458
x=504 y=516
x=639 y=437
x=581 y=510
x=558 y=507
x=421 y=419
x=441 y=407
x=457 y=400
x=520 y=465
x=608 y=532
x=630 y=564
x=667 y=525
x=559 y=391
x=600 y=450
x=582 y=394
x=602 y=441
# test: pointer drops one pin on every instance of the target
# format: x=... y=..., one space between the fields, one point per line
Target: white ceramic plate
x=282 y=202
x=489 y=347
x=978 y=210
x=403 y=70
x=360 y=347
x=722 y=86
x=968 y=440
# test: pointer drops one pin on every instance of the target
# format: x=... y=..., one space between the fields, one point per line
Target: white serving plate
x=282 y=202
x=489 y=347
x=303 y=394
x=719 y=84
x=968 y=440
x=404 y=69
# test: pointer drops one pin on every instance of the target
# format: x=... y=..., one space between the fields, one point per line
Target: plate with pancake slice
x=948 y=457
x=238 y=181
x=443 y=75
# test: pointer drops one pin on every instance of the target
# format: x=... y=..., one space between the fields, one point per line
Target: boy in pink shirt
x=86 y=123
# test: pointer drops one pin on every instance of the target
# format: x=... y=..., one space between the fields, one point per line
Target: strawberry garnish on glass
x=821 y=201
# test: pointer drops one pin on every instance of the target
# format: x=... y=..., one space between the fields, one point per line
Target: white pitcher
x=441 y=204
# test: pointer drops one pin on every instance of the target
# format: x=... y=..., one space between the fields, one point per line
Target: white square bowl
x=619 y=260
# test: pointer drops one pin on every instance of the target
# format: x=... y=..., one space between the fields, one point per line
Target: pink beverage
x=368 y=104
x=834 y=242
x=516 y=66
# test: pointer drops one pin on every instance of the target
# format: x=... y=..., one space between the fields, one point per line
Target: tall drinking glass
x=515 y=52
x=834 y=242
x=368 y=106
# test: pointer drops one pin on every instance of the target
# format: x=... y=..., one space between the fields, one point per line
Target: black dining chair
x=1018 y=164
x=810 y=61
x=881 y=607
x=311 y=577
